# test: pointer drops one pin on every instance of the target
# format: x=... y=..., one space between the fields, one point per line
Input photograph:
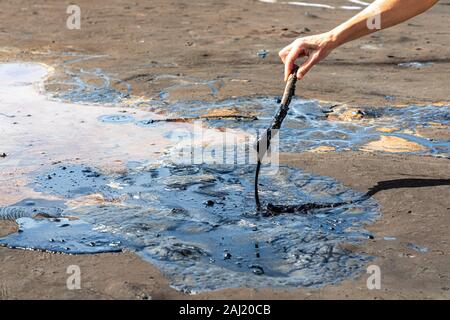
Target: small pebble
x=210 y=203
x=262 y=53
x=258 y=270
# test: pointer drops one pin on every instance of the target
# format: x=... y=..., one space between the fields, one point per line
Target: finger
x=290 y=59
x=307 y=65
x=284 y=52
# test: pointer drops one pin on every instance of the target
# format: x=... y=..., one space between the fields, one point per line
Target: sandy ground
x=218 y=40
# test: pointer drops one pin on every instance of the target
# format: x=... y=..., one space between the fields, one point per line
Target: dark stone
x=256 y=269
x=210 y=203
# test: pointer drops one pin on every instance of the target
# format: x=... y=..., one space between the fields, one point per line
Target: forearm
x=381 y=14
x=387 y=12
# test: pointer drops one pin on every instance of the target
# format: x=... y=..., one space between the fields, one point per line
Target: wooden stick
x=263 y=143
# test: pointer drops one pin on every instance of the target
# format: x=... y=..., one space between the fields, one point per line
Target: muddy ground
x=413 y=194
x=219 y=40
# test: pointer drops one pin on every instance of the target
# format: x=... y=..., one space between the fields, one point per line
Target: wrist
x=334 y=38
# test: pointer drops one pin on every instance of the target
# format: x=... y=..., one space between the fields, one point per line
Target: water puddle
x=90 y=87
x=199 y=226
x=96 y=178
x=415 y=65
x=312 y=125
x=417 y=248
x=61 y=235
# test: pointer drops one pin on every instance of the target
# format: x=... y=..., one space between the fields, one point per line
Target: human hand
x=316 y=48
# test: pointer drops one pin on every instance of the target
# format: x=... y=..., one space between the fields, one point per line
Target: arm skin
x=318 y=47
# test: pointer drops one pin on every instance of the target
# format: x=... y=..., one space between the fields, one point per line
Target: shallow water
x=307 y=127
x=61 y=235
x=113 y=170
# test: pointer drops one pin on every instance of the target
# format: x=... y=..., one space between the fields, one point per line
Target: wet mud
x=198 y=223
x=309 y=125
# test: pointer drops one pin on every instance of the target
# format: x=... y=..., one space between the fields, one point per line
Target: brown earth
x=219 y=40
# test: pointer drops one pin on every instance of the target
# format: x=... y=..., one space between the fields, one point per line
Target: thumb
x=307 y=65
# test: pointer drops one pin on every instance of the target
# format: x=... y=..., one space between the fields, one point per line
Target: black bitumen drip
x=273 y=209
